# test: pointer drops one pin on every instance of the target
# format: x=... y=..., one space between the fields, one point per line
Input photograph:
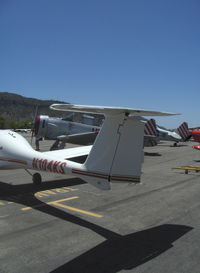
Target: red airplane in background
x=196 y=136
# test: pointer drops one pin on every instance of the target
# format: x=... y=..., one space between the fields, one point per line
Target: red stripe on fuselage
x=13 y=160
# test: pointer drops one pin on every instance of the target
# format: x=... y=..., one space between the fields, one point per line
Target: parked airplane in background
x=190 y=133
x=197 y=147
x=116 y=156
x=63 y=131
x=196 y=137
x=181 y=134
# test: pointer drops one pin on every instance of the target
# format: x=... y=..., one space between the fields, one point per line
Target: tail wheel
x=37 y=179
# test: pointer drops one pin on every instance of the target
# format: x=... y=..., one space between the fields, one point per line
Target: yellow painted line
x=64 y=190
x=187 y=168
x=62 y=200
x=54 y=191
x=49 y=203
x=58 y=204
x=77 y=210
x=44 y=193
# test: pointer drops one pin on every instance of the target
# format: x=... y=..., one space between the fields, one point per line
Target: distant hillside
x=17 y=108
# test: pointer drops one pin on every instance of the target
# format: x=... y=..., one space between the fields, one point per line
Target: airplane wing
x=70 y=153
x=197 y=147
x=107 y=110
x=195 y=135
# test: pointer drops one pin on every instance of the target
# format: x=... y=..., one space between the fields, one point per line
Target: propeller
x=33 y=124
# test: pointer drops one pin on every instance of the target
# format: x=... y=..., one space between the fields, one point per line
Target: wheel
x=37 y=179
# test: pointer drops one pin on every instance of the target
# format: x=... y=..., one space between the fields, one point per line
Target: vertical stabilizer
x=183 y=131
x=117 y=154
x=150 y=133
x=150 y=128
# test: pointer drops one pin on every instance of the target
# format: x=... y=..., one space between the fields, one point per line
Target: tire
x=37 y=179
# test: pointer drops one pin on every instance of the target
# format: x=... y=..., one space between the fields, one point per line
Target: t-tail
x=117 y=153
x=183 y=131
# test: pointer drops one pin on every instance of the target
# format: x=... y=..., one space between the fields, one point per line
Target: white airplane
x=116 y=156
x=181 y=134
x=63 y=131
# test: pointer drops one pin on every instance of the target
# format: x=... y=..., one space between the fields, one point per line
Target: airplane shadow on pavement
x=125 y=252
x=117 y=252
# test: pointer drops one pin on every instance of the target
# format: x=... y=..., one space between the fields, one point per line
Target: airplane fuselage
x=22 y=155
x=52 y=127
x=168 y=135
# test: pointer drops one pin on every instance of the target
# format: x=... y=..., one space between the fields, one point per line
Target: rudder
x=122 y=156
x=183 y=131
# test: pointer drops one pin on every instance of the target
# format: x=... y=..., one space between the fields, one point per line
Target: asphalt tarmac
x=69 y=226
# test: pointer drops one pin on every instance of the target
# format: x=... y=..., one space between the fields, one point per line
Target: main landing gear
x=36 y=178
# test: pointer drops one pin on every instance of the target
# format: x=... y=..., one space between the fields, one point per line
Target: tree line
x=11 y=124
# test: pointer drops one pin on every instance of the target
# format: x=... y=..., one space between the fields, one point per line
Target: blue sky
x=132 y=53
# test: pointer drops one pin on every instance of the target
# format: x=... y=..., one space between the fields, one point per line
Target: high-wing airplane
x=64 y=131
x=116 y=156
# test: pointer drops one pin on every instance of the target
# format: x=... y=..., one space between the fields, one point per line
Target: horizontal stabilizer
x=107 y=110
x=85 y=138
